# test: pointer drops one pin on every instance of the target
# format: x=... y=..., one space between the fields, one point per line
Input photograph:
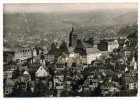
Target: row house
x=130 y=83
x=68 y=80
x=58 y=78
x=109 y=88
x=8 y=86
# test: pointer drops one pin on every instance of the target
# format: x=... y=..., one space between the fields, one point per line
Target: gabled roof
x=86 y=45
x=41 y=72
x=83 y=45
x=25 y=73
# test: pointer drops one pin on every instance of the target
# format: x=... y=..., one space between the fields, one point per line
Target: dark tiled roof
x=81 y=44
x=34 y=65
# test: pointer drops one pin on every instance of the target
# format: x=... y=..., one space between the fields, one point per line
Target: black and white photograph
x=70 y=50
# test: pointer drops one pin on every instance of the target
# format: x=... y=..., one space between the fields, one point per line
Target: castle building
x=72 y=39
x=24 y=53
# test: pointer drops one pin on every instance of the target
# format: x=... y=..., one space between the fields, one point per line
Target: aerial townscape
x=74 y=54
x=84 y=67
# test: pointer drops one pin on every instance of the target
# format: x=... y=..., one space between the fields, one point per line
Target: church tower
x=72 y=39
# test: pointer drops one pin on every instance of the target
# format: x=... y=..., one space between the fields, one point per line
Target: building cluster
x=84 y=67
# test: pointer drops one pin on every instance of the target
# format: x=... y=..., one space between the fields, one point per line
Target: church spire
x=72 y=29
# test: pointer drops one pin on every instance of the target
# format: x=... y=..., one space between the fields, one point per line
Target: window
x=7 y=92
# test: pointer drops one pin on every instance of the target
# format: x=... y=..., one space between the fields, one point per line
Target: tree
x=18 y=91
x=97 y=91
x=41 y=89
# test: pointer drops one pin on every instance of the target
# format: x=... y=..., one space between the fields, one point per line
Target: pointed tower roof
x=73 y=32
x=135 y=66
x=126 y=69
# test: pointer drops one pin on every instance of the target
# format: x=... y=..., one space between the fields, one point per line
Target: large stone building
x=92 y=54
x=87 y=51
x=24 y=53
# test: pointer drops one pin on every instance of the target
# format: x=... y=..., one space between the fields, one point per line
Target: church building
x=72 y=39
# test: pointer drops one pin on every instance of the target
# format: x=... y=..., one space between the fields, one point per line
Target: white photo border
x=63 y=1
